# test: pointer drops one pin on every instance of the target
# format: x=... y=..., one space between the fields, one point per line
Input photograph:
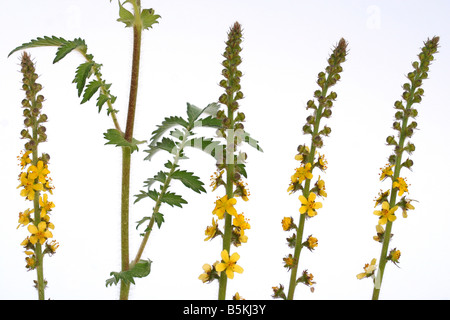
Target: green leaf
x=166 y=125
x=148 y=18
x=41 y=42
x=66 y=48
x=173 y=199
x=139 y=270
x=165 y=144
x=142 y=221
x=125 y=16
x=159 y=218
x=91 y=89
x=152 y=194
x=83 y=72
x=189 y=180
x=160 y=177
x=193 y=113
x=115 y=137
x=209 y=122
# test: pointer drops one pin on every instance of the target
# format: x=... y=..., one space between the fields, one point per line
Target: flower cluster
x=230 y=169
x=35 y=183
x=405 y=125
x=310 y=158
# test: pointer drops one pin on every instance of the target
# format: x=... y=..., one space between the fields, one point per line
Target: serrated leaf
x=209 y=122
x=125 y=16
x=159 y=218
x=68 y=47
x=81 y=75
x=152 y=194
x=148 y=18
x=173 y=199
x=189 y=180
x=141 y=221
x=160 y=177
x=139 y=270
x=91 y=89
x=168 y=123
x=41 y=42
x=115 y=137
x=193 y=113
x=165 y=144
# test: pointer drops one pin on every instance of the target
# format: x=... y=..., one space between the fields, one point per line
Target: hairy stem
x=126 y=154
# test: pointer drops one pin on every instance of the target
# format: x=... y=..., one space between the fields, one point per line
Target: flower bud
x=408 y=163
x=391 y=141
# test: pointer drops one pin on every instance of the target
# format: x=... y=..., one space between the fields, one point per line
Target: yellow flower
x=386 y=213
x=51 y=247
x=40 y=172
x=407 y=206
x=302 y=173
x=216 y=180
x=39 y=233
x=289 y=262
x=369 y=269
x=242 y=190
x=31 y=262
x=229 y=264
x=24 y=159
x=237 y=297
x=380 y=233
x=321 y=187
x=400 y=183
x=309 y=205
x=210 y=272
x=312 y=242
x=225 y=205
x=287 y=223
x=322 y=162
x=45 y=205
x=382 y=196
x=240 y=222
x=24 y=217
x=386 y=171
x=210 y=231
x=29 y=187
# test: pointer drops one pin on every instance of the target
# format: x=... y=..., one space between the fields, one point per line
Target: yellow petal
x=32 y=229
x=230 y=273
x=206 y=267
x=220 y=267
x=238 y=269
x=235 y=257
x=225 y=256
x=303 y=199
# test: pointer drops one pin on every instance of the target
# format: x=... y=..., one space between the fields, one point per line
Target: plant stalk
x=126 y=151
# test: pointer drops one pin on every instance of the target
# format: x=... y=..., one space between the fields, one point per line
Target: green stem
x=126 y=153
x=229 y=158
x=125 y=201
x=40 y=285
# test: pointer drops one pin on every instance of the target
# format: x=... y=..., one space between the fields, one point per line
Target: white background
x=286 y=44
